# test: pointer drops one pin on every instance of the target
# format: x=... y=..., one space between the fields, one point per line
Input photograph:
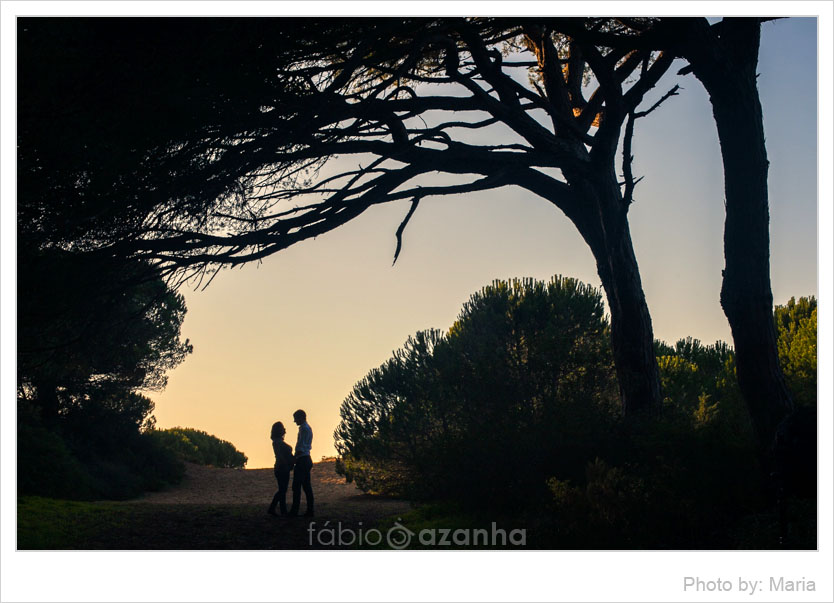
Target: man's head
x=299 y=417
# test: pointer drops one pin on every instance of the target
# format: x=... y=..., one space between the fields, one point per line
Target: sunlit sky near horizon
x=298 y=330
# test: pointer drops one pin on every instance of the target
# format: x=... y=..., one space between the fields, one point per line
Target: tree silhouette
x=488 y=102
x=724 y=59
x=93 y=328
x=518 y=389
x=723 y=56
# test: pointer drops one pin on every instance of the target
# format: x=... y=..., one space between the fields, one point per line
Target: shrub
x=522 y=382
x=515 y=409
x=95 y=451
x=199 y=447
x=796 y=327
x=45 y=466
x=700 y=388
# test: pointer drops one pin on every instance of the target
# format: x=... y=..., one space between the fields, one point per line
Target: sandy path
x=215 y=486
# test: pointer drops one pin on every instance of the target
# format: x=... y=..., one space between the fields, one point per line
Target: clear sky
x=298 y=330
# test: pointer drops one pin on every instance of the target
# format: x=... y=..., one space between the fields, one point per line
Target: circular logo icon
x=399 y=536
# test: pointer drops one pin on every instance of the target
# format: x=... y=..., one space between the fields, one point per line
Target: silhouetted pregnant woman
x=283 y=465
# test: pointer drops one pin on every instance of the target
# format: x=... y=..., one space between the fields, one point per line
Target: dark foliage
x=197 y=446
x=94 y=451
x=98 y=97
x=92 y=332
x=88 y=323
x=796 y=327
x=522 y=383
x=513 y=411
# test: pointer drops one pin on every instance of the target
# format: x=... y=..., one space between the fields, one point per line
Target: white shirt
x=305 y=440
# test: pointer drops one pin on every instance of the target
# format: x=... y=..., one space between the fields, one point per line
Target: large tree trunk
x=745 y=292
x=729 y=76
x=632 y=338
x=604 y=225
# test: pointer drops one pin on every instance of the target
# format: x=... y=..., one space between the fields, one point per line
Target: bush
x=700 y=388
x=514 y=410
x=667 y=483
x=199 y=447
x=522 y=382
x=45 y=466
x=95 y=451
x=796 y=327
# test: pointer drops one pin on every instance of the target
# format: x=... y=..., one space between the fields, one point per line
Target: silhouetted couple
x=301 y=463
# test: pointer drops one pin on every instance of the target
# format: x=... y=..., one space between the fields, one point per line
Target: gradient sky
x=298 y=330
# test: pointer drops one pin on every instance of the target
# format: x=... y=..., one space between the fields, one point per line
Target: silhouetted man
x=303 y=465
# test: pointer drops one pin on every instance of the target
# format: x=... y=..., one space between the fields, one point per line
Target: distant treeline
x=199 y=447
x=515 y=410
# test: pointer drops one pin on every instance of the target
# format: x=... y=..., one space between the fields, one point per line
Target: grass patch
x=52 y=524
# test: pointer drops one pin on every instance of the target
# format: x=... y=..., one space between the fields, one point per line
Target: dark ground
x=215 y=509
